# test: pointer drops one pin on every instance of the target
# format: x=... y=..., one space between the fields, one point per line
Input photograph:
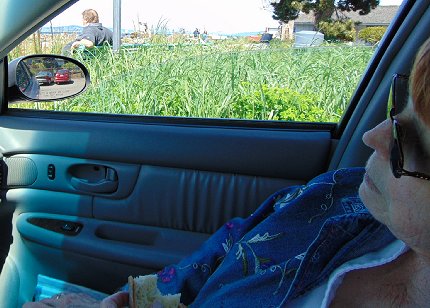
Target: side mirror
x=46 y=78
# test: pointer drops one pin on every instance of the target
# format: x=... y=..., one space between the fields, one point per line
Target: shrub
x=275 y=103
x=372 y=34
x=338 y=30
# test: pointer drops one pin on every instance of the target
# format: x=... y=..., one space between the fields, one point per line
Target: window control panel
x=61 y=226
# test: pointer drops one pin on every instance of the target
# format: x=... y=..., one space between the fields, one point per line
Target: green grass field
x=233 y=79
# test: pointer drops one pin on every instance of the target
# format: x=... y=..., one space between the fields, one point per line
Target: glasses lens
x=395 y=161
x=399 y=94
x=396 y=156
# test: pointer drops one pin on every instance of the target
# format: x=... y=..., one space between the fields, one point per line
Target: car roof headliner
x=16 y=23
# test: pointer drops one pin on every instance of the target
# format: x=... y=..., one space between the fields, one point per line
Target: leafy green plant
x=278 y=103
x=338 y=30
x=372 y=35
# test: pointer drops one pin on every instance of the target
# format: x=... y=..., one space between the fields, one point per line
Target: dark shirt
x=97 y=34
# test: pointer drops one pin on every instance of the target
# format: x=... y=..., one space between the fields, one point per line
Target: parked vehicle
x=91 y=198
x=63 y=76
x=45 y=78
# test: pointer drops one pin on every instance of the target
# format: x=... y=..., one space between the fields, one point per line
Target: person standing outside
x=93 y=34
x=196 y=33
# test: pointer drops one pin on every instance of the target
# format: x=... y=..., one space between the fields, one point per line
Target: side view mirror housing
x=46 y=78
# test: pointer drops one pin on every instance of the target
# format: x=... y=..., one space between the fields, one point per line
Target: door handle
x=94 y=178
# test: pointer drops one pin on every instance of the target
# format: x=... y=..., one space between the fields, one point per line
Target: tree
x=286 y=10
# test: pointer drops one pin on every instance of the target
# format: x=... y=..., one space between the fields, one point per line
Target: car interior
x=93 y=198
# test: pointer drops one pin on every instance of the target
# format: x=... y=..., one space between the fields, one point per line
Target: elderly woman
x=396 y=191
x=318 y=245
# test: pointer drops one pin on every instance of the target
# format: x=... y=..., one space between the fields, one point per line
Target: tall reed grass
x=214 y=81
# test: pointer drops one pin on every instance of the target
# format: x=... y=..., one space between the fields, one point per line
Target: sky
x=219 y=16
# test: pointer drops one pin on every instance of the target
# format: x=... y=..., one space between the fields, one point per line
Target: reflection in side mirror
x=26 y=82
x=46 y=78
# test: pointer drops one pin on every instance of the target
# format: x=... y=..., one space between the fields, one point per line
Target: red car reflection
x=45 y=78
x=63 y=76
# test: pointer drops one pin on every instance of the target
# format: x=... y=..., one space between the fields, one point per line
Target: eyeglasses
x=397 y=102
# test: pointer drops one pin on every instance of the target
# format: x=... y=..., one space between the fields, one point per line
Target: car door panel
x=146 y=247
x=71 y=175
x=192 y=200
x=270 y=152
x=176 y=184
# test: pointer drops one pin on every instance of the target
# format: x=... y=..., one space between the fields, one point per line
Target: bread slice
x=143 y=292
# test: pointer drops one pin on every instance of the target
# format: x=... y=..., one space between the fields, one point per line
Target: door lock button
x=51 y=171
x=69 y=227
x=61 y=226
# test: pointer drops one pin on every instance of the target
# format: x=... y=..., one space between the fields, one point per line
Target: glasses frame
x=397 y=158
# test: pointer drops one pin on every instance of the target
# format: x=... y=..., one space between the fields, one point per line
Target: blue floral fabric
x=287 y=247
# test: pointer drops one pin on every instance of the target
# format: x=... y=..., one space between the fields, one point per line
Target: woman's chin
x=365 y=191
x=369 y=199
x=362 y=192
x=370 y=185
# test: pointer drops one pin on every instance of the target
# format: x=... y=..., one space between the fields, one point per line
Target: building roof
x=381 y=15
x=305 y=18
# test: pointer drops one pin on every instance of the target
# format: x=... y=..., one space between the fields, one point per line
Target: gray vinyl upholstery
x=189 y=200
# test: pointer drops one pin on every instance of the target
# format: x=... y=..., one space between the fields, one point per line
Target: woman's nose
x=379 y=138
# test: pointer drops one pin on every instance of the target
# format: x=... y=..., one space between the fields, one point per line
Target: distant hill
x=245 y=33
x=71 y=29
x=61 y=29
x=78 y=29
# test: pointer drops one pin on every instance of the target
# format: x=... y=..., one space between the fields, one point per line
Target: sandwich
x=143 y=293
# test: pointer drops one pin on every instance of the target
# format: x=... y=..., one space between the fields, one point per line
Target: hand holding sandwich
x=116 y=300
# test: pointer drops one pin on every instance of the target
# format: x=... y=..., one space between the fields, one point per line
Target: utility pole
x=116 y=25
